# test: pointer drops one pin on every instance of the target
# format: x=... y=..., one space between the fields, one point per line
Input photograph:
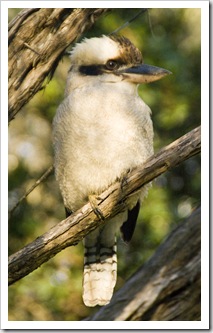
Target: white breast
x=99 y=133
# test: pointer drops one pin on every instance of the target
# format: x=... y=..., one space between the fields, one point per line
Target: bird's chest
x=111 y=128
x=102 y=139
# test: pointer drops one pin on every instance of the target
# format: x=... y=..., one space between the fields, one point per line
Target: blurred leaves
x=172 y=41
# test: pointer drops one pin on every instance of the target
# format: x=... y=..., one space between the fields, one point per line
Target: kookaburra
x=103 y=129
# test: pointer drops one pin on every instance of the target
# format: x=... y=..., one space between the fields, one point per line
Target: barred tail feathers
x=100 y=272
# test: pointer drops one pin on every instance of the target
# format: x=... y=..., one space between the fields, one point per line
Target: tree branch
x=168 y=286
x=38 y=38
x=112 y=201
x=38 y=182
x=142 y=11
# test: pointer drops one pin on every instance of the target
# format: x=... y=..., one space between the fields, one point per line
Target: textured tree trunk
x=167 y=287
x=38 y=38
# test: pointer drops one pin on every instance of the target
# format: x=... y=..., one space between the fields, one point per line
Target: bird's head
x=113 y=58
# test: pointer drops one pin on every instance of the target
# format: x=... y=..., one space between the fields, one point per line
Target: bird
x=102 y=130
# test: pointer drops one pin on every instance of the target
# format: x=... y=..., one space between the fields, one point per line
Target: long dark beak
x=143 y=73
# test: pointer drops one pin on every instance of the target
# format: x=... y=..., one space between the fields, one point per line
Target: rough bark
x=110 y=202
x=168 y=286
x=38 y=38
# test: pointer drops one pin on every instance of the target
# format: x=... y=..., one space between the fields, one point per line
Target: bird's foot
x=94 y=204
x=124 y=180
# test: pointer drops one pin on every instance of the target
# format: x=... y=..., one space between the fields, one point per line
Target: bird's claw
x=124 y=180
x=95 y=208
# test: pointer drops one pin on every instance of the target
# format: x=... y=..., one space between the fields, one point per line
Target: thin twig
x=41 y=179
x=128 y=22
x=150 y=25
x=30 y=48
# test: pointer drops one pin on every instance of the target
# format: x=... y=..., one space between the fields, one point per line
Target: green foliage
x=53 y=292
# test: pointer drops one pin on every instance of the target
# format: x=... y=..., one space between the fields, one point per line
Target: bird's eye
x=111 y=64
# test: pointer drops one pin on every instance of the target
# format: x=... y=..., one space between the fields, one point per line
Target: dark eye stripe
x=95 y=70
x=91 y=70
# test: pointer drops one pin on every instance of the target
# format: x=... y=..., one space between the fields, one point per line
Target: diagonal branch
x=112 y=201
x=38 y=182
x=142 y=11
x=37 y=40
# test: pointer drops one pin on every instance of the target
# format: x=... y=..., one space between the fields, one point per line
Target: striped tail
x=100 y=268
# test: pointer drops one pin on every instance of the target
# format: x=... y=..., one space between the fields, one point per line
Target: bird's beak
x=143 y=73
